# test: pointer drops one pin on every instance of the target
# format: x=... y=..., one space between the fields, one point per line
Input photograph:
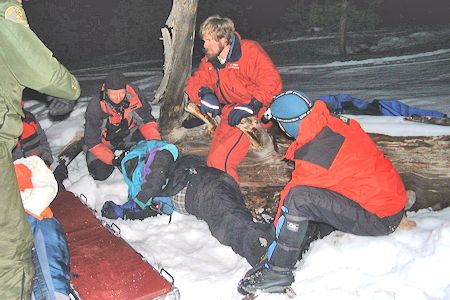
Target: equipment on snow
x=444 y=121
x=346 y=104
x=104 y=266
x=60 y=109
x=67 y=155
x=71 y=150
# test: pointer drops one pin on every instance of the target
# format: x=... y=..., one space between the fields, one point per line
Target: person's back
x=33 y=140
x=335 y=153
x=341 y=180
x=24 y=62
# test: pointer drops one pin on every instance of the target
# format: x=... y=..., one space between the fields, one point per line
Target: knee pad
x=99 y=170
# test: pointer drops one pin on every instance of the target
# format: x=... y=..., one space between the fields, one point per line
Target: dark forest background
x=84 y=33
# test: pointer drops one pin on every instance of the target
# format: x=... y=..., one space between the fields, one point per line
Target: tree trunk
x=343 y=28
x=424 y=165
x=178 y=39
x=422 y=162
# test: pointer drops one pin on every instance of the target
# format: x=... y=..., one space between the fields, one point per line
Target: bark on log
x=424 y=165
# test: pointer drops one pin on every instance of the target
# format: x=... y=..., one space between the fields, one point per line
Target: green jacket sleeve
x=33 y=64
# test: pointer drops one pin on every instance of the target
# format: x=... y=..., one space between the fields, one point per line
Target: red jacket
x=138 y=113
x=248 y=73
x=33 y=140
x=338 y=155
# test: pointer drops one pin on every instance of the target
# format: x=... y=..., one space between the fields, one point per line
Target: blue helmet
x=288 y=109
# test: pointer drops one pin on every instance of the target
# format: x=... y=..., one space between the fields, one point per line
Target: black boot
x=262 y=278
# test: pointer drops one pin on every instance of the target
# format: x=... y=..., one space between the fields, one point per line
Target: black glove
x=209 y=102
x=115 y=133
x=117 y=161
x=61 y=172
x=243 y=111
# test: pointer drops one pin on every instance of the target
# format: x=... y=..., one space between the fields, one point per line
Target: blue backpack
x=145 y=152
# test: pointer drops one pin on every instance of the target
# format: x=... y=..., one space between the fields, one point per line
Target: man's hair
x=218 y=27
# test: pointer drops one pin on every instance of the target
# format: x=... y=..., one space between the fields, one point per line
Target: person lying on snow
x=50 y=255
x=116 y=119
x=159 y=181
x=340 y=181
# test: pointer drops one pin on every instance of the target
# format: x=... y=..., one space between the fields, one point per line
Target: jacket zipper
x=218 y=86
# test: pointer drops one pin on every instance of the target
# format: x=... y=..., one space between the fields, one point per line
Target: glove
x=209 y=104
x=115 y=133
x=243 y=111
x=111 y=210
x=117 y=161
x=61 y=172
x=60 y=107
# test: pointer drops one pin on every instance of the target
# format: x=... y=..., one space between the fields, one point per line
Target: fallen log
x=423 y=163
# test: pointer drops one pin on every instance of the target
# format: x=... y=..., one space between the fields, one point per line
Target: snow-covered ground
x=409 y=264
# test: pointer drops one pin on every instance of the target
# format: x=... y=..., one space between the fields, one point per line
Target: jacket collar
x=234 y=54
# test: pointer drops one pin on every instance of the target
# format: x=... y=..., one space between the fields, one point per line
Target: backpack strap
x=145 y=152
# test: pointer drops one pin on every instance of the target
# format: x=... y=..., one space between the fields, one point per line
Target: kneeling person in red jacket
x=340 y=181
x=116 y=120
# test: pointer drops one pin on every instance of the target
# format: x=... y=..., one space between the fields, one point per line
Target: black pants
x=215 y=197
x=305 y=204
x=100 y=170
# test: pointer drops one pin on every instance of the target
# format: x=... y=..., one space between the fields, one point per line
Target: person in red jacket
x=116 y=120
x=236 y=79
x=341 y=180
x=33 y=140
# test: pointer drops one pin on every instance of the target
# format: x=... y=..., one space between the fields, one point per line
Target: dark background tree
x=84 y=33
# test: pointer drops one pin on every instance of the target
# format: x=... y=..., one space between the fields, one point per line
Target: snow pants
x=229 y=146
x=100 y=170
x=16 y=266
x=215 y=197
x=304 y=204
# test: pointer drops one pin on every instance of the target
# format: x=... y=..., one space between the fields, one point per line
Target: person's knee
x=298 y=201
x=99 y=170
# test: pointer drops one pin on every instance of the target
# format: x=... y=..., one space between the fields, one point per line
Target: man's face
x=116 y=96
x=213 y=47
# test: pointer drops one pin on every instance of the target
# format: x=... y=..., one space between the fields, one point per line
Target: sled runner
x=103 y=266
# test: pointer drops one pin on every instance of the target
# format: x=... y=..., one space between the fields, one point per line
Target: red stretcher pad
x=103 y=266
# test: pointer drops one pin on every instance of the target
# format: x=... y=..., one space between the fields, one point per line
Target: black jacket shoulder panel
x=321 y=150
